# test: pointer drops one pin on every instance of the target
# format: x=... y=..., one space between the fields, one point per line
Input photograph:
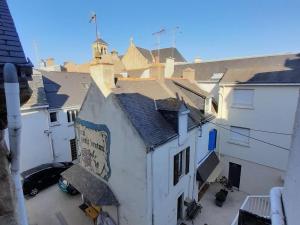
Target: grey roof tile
x=138 y=100
x=9 y=37
x=205 y=70
x=65 y=89
x=38 y=97
x=266 y=75
x=165 y=53
x=146 y=53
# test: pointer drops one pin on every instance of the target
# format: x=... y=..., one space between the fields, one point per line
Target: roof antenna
x=175 y=30
x=158 y=36
x=36 y=52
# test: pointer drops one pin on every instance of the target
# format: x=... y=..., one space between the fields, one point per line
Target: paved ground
x=214 y=215
x=54 y=207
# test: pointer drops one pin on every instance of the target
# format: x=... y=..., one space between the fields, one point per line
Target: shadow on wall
x=280 y=75
x=54 y=98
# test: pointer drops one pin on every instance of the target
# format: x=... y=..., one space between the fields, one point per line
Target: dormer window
x=217 y=76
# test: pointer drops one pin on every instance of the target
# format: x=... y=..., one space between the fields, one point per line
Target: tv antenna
x=175 y=31
x=158 y=37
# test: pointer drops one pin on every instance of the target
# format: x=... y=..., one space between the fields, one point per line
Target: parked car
x=65 y=186
x=42 y=176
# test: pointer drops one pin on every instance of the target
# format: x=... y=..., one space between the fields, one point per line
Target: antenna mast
x=158 y=35
x=175 y=30
x=36 y=52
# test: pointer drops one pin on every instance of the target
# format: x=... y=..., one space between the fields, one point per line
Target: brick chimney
x=189 y=74
x=102 y=72
x=50 y=62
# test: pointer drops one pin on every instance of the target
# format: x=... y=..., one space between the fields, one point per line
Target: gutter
x=12 y=96
x=277 y=210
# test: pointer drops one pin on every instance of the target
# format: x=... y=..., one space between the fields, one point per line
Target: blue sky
x=211 y=29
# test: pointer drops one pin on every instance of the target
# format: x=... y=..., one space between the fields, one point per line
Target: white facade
x=291 y=197
x=141 y=179
x=62 y=132
x=264 y=112
x=35 y=139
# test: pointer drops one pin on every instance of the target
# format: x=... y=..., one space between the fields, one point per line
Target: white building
x=65 y=93
x=48 y=133
x=256 y=117
x=282 y=205
x=140 y=142
x=262 y=108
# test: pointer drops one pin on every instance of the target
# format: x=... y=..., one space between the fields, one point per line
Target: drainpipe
x=277 y=214
x=12 y=96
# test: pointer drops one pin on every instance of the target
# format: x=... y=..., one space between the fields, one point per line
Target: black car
x=42 y=176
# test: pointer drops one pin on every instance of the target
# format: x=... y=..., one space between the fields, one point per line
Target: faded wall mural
x=94 y=147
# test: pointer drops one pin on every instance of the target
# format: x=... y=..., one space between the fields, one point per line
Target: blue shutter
x=212 y=139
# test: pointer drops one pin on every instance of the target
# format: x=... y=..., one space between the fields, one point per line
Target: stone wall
x=7 y=199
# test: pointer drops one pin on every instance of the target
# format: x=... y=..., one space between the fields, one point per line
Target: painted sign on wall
x=94 y=147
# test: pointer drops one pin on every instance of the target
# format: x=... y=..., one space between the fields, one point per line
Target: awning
x=207 y=167
x=92 y=187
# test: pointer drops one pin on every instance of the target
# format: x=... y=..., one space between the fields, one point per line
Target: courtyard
x=54 y=207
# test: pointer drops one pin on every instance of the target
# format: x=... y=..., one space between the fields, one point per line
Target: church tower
x=99 y=48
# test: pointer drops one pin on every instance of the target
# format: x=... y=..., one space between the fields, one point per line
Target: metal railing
x=256 y=204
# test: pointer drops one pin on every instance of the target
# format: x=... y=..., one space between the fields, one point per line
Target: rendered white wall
x=255 y=179
x=127 y=158
x=61 y=135
x=291 y=197
x=273 y=111
x=165 y=194
x=202 y=142
x=35 y=143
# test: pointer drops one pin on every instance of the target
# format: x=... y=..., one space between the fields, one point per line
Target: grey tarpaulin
x=206 y=167
x=92 y=187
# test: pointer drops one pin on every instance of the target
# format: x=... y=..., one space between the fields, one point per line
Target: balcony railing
x=255 y=204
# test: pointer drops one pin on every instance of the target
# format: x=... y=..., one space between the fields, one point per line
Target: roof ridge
x=245 y=57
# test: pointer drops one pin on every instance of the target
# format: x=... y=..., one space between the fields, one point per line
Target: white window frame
x=234 y=130
x=235 y=104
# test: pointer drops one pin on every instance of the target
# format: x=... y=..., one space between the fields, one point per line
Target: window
x=243 y=98
x=72 y=114
x=73 y=149
x=239 y=135
x=181 y=164
x=212 y=140
x=53 y=117
x=187 y=160
x=217 y=76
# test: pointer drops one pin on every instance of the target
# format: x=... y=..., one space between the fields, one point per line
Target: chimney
x=102 y=73
x=157 y=71
x=189 y=74
x=50 y=62
x=183 y=123
x=197 y=60
x=169 y=67
x=208 y=105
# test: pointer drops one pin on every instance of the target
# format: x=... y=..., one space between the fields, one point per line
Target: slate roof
x=205 y=70
x=265 y=75
x=165 y=53
x=11 y=50
x=156 y=126
x=65 y=89
x=146 y=53
x=101 y=41
x=38 y=97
